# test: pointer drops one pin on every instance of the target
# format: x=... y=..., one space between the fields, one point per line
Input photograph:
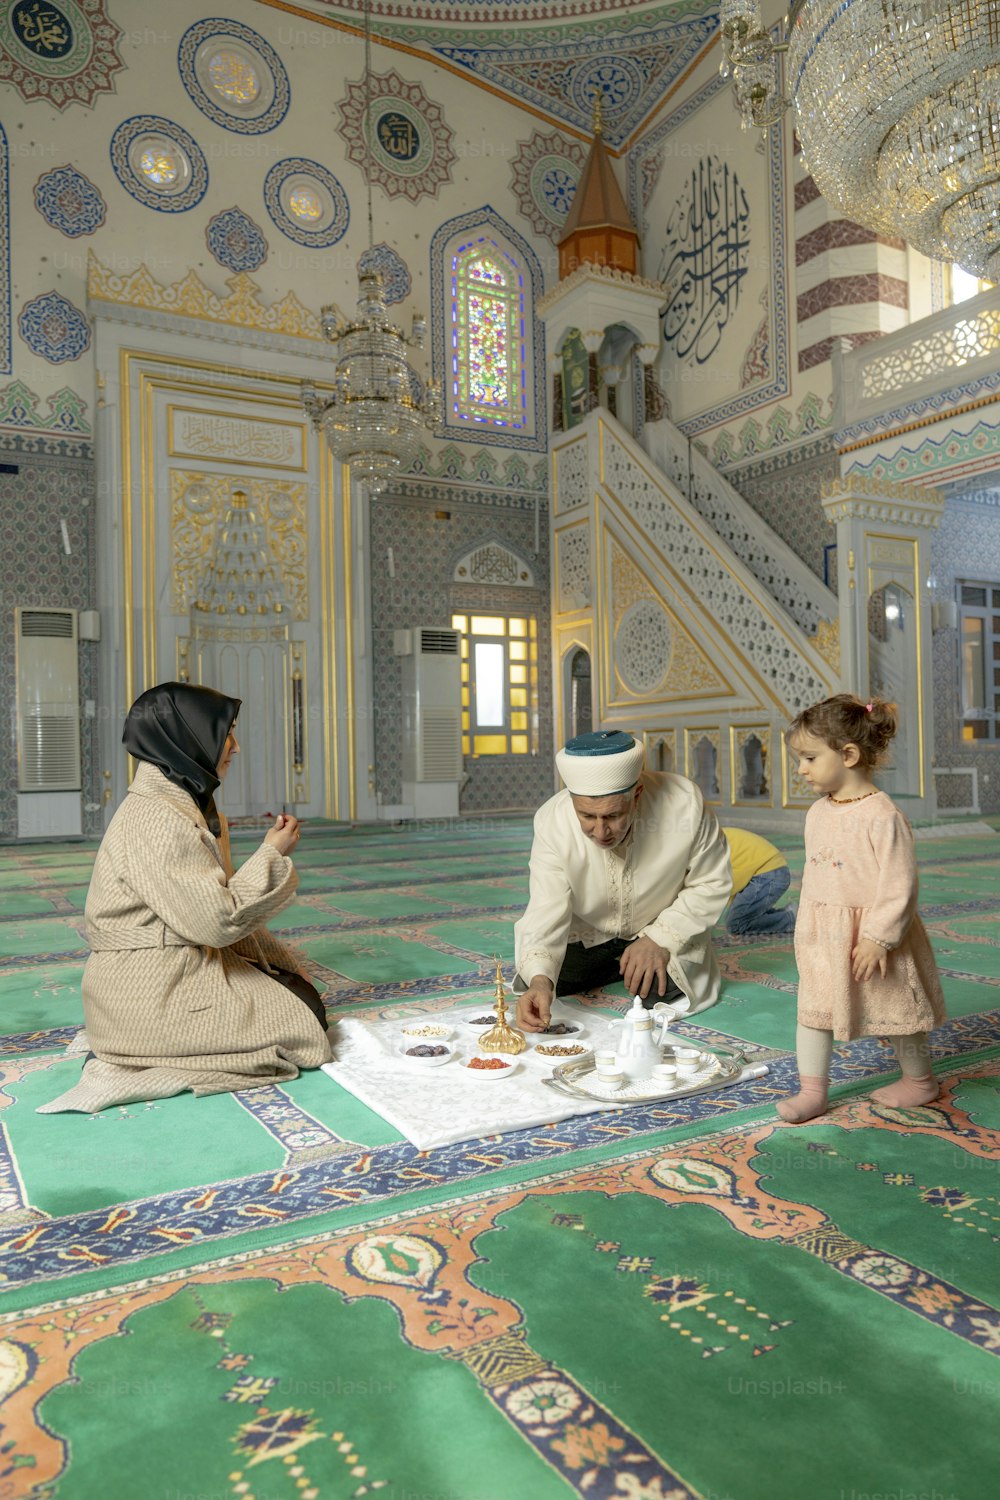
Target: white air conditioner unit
x=48 y=723
x=432 y=719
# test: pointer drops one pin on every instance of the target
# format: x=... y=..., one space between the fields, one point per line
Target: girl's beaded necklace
x=842 y=801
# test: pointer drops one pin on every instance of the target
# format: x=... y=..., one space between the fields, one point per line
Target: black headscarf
x=181 y=729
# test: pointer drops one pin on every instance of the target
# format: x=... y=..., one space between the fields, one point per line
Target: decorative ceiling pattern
x=551 y=55
x=544 y=176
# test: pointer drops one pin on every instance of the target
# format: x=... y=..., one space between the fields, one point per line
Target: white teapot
x=642 y=1034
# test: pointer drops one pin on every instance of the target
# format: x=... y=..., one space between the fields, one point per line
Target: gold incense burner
x=502 y=1037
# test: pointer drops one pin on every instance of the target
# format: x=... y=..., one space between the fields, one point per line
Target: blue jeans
x=752 y=909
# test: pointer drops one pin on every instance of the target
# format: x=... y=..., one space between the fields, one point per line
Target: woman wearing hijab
x=185 y=988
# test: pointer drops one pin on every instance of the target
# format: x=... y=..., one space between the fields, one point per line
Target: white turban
x=605 y=763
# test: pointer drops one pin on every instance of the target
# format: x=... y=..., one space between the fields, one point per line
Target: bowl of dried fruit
x=424 y=1054
x=558 y=1033
x=490 y=1065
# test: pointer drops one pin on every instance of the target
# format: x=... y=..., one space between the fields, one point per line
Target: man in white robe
x=629 y=872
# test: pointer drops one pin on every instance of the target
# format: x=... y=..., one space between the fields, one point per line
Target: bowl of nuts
x=426 y=1031
x=557 y=1050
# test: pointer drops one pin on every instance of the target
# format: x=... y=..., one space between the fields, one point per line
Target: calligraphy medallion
x=306 y=202
x=410 y=145
x=159 y=163
x=398 y=135
x=63 y=53
x=234 y=76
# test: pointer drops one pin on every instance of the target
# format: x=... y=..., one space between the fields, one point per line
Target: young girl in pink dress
x=865 y=962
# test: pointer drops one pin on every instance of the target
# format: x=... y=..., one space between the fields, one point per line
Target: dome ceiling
x=549 y=56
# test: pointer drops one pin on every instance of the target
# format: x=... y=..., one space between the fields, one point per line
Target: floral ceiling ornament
x=61 y=52
x=70 y=202
x=544 y=177
x=410 y=143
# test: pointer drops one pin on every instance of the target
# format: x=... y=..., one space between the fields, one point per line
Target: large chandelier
x=379 y=407
x=897 y=106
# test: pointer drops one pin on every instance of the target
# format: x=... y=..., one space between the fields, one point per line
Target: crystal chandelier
x=374 y=417
x=897 y=107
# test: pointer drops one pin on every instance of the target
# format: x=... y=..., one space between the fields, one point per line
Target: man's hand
x=643 y=962
x=867 y=957
x=534 y=1005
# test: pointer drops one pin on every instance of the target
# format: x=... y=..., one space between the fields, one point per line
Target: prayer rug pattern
x=270 y=1294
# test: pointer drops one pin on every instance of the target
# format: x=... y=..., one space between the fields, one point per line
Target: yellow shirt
x=751 y=855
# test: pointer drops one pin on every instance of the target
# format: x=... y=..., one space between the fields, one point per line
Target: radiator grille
x=54 y=623
x=442 y=746
x=439 y=642
x=49 y=753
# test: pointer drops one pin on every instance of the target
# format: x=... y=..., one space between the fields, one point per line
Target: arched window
x=487 y=382
x=488 y=345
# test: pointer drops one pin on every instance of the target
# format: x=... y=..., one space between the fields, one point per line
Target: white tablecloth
x=439 y=1106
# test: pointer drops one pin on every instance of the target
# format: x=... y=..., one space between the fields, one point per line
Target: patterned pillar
x=850 y=282
x=883 y=551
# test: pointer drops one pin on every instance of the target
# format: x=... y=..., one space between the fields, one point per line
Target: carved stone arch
x=576 y=668
x=487 y=224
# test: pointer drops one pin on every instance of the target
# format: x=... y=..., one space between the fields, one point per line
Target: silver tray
x=578 y=1078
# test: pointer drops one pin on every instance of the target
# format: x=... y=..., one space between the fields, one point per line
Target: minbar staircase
x=705 y=633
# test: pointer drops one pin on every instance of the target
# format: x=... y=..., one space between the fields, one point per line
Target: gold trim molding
x=872 y=499
x=827 y=642
x=242 y=307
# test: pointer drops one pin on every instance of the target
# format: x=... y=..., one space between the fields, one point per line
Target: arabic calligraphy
x=398 y=136
x=42 y=28
x=704 y=260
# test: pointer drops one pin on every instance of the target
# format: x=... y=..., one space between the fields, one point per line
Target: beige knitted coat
x=170 y=1000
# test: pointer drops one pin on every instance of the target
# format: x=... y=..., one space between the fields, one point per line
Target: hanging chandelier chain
x=373 y=418
x=368 y=117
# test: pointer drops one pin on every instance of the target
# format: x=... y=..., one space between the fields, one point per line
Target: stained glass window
x=487 y=336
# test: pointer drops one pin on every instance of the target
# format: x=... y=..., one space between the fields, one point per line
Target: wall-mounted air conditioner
x=48 y=723
x=432 y=718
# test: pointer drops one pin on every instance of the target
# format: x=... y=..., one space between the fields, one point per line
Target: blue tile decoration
x=558 y=73
x=269 y=106
x=53 y=328
x=236 y=241
x=393 y=269
x=146 y=192
x=70 y=202
x=486 y=220
x=333 y=227
x=6 y=368
x=20 y=410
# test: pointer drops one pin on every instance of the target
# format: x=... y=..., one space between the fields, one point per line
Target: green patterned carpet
x=272 y=1295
